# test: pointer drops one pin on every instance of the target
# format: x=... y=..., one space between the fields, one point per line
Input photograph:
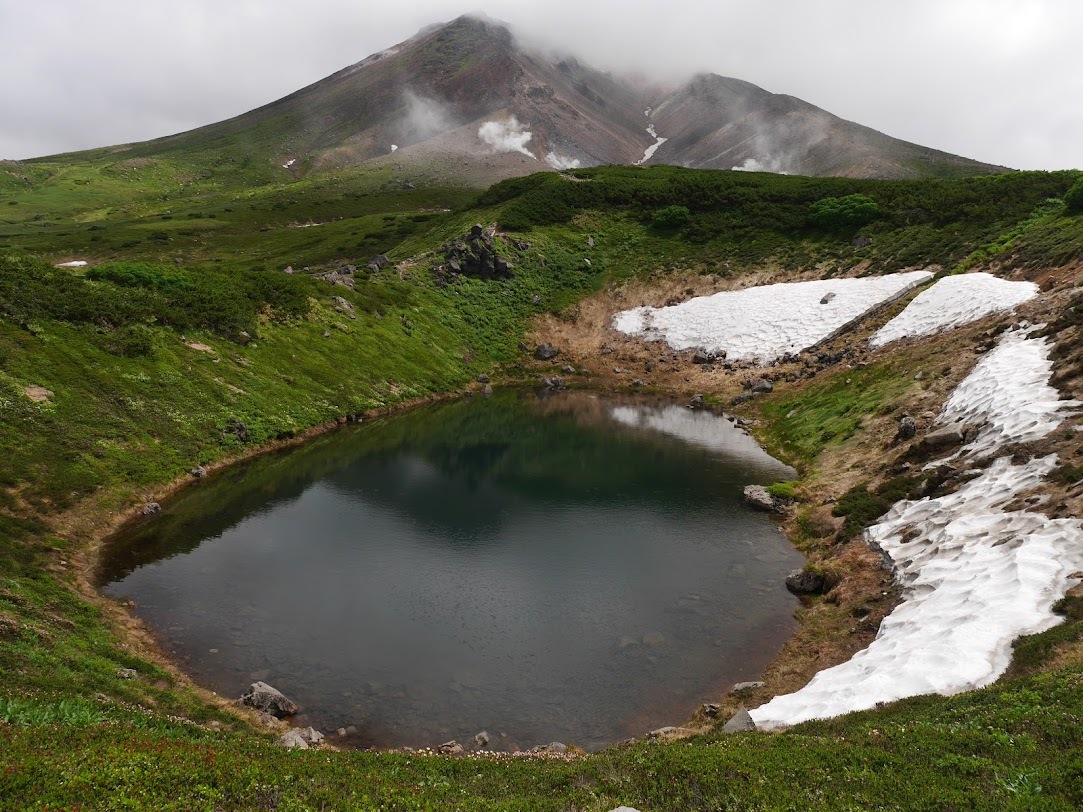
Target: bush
x=1073 y=200
x=672 y=217
x=837 y=213
x=784 y=490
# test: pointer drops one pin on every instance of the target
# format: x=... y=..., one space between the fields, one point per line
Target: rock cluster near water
x=269 y=699
x=758 y=497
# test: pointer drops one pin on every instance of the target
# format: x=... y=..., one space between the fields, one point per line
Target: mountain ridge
x=427 y=99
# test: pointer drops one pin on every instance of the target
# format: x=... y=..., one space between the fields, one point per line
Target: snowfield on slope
x=974 y=576
x=1008 y=395
x=952 y=302
x=766 y=322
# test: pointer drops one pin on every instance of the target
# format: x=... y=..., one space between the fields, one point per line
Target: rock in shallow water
x=269 y=699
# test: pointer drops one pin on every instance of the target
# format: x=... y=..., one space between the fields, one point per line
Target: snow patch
x=76 y=263
x=768 y=321
x=289 y=163
x=648 y=153
x=975 y=578
x=1009 y=396
x=506 y=136
x=394 y=147
x=954 y=301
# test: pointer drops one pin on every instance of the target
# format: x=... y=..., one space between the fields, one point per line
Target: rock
x=590 y=242
x=758 y=497
x=336 y=278
x=267 y=720
x=664 y=732
x=487 y=391
x=638 y=382
x=711 y=710
x=127 y=673
x=587 y=262
x=762 y=387
x=483 y=378
x=746 y=687
x=288 y=269
x=199 y=472
x=38 y=394
x=535 y=299
x=740 y=722
x=804 y=582
x=150 y=508
x=744 y=397
x=949 y=435
x=828 y=297
x=343 y=304
x=908 y=427
x=264 y=697
x=312 y=736
x=451 y=748
x=568 y=369
x=477 y=231
x=697 y=402
x=237 y=429
x=702 y=356
x=292 y=740
x=379 y=261
x=551 y=749
x=523 y=347
x=862 y=242
x=546 y=352
x=481 y=740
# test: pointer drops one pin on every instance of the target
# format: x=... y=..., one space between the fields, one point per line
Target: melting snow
x=394 y=147
x=953 y=301
x=974 y=575
x=1009 y=396
x=648 y=153
x=78 y=263
x=767 y=321
x=289 y=163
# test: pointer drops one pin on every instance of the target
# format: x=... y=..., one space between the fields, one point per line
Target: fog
x=995 y=80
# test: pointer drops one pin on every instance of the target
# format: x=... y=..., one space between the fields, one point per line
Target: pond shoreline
x=95 y=533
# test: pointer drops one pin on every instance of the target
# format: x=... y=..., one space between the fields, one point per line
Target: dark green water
x=570 y=568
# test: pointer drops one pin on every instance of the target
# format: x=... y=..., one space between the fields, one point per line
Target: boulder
x=343 y=304
x=952 y=434
x=266 y=698
x=804 y=582
x=551 y=749
x=292 y=740
x=762 y=387
x=568 y=369
x=546 y=352
x=740 y=722
x=483 y=378
x=746 y=687
x=150 y=508
x=711 y=710
x=379 y=261
x=451 y=748
x=697 y=402
x=127 y=673
x=758 y=497
x=908 y=427
x=199 y=472
x=702 y=356
x=828 y=297
x=481 y=740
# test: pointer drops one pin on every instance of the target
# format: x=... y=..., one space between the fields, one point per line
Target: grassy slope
x=119 y=425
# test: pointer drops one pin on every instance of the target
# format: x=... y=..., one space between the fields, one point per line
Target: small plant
x=672 y=217
x=839 y=213
x=784 y=490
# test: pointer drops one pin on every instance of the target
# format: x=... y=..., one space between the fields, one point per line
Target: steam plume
x=506 y=136
x=562 y=162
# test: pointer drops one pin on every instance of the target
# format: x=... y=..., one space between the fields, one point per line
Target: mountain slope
x=428 y=99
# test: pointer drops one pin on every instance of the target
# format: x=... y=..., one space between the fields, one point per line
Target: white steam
x=506 y=136
x=768 y=164
x=423 y=119
x=562 y=162
x=394 y=147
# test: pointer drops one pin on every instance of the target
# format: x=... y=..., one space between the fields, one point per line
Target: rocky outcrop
x=269 y=699
x=758 y=497
x=806 y=582
x=546 y=352
x=476 y=255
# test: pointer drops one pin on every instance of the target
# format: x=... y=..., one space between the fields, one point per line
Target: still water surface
x=568 y=568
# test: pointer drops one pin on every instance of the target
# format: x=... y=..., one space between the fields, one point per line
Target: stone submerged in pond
x=269 y=699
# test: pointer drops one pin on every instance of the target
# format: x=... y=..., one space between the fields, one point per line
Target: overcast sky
x=996 y=80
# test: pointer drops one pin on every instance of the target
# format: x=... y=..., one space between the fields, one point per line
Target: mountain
x=466 y=96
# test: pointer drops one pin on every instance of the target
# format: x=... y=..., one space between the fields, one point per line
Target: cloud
x=506 y=136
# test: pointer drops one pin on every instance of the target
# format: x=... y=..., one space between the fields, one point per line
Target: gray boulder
x=740 y=722
x=150 y=508
x=702 y=356
x=746 y=687
x=546 y=352
x=481 y=740
x=952 y=434
x=551 y=749
x=451 y=748
x=758 y=497
x=908 y=427
x=803 y=582
x=762 y=387
x=697 y=402
x=269 y=699
x=483 y=378
x=828 y=297
x=198 y=472
x=293 y=740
